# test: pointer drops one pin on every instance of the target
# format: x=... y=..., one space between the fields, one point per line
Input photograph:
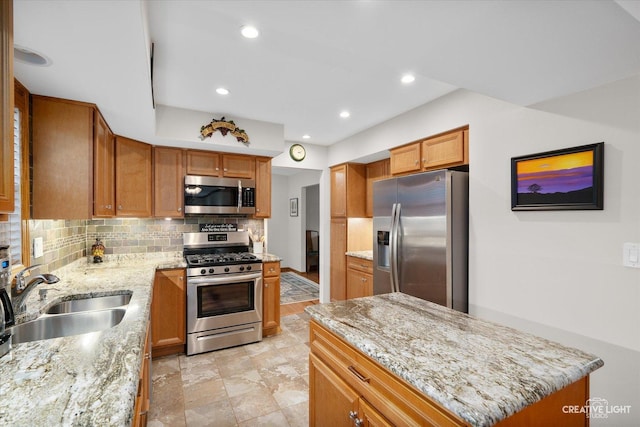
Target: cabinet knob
x=424 y=160
x=108 y=206
x=266 y=285
x=119 y=207
x=179 y=209
x=257 y=209
x=225 y=169
x=417 y=162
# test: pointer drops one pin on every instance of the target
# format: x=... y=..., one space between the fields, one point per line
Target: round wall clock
x=297 y=152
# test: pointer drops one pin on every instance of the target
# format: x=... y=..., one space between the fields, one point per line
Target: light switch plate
x=38 y=247
x=631 y=255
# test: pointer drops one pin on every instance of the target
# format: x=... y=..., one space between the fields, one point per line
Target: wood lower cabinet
x=133 y=178
x=143 y=399
x=168 y=312
x=263 y=187
x=270 y=298
x=359 y=277
x=345 y=385
x=338 y=285
x=168 y=182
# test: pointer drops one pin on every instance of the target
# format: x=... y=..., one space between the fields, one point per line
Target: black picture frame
x=293 y=207
x=571 y=181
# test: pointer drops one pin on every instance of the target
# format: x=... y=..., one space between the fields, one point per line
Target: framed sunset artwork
x=571 y=178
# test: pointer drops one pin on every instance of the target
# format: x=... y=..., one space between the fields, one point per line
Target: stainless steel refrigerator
x=420 y=237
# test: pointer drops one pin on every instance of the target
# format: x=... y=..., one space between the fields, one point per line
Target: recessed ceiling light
x=29 y=56
x=222 y=91
x=249 y=32
x=305 y=136
x=344 y=114
x=408 y=78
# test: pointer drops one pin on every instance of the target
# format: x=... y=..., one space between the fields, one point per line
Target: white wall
x=558 y=274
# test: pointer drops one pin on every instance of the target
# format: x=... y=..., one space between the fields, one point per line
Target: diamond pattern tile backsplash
x=68 y=240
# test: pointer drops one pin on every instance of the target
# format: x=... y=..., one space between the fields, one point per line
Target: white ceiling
x=315 y=58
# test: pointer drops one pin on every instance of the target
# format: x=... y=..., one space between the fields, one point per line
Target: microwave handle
x=239 y=195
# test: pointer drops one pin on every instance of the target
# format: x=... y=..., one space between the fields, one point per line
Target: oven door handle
x=227 y=278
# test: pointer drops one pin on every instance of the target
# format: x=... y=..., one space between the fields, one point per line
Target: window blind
x=15 y=223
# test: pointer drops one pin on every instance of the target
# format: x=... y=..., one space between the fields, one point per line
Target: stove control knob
x=211 y=271
x=226 y=269
x=241 y=268
x=248 y=267
x=203 y=271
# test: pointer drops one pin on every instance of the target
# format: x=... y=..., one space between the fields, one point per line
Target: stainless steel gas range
x=224 y=291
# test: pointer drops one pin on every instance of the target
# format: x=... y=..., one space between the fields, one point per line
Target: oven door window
x=216 y=300
x=209 y=195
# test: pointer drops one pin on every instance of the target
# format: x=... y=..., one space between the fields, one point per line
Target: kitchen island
x=87 y=379
x=397 y=359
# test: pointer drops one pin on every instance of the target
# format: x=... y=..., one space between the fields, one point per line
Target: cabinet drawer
x=360 y=264
x=270 y=269
x=396 y=400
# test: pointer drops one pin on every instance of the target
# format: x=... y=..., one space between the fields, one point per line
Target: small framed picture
x=293 y=207
x=571 y=178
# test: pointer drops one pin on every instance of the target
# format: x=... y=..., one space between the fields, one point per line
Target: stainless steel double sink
x=74 y=317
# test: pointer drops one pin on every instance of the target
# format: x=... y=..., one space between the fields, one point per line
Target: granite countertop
x=361 y=254
x=481 y=371
x=87 y=379
x=266 y=257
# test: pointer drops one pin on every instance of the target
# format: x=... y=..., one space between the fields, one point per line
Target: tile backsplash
x=68 y=240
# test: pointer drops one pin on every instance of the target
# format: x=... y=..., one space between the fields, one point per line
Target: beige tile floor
x=261 y=384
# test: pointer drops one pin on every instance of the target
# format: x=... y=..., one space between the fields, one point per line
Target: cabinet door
x=405 y=159
x=238 y=166
x=62 y=143
x=103 y=169
x=270 y=304
x=263 y=187
x=370 y=417
x=331 y=400
x=203 y=163
x=359 y=284
x=6 y=109
x=338 y=259
x=445 y=150
x=375 y=171
x=133 y=178
x=339 y=191
x=168 y=182
x=168 y=310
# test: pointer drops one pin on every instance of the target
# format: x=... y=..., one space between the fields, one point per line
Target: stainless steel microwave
x=211 y=195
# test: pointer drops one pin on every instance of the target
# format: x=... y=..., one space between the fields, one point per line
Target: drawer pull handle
x=359 y=375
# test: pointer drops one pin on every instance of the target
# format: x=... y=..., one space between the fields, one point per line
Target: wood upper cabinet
x=103 y=168
x=62 y=152
x=133 y=178
x=263 y=187
x=405 y=159
x=270 y=298
x=374 y=172
x=348 y=190
x=445 y=150
x=238 y=166
x=168 y=182
x=359 y=277
x=211 y=163
x=6 y=109
x=168 y=312
x=205 y=163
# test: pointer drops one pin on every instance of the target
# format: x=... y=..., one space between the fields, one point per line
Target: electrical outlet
x=631 y=255
x=38 y=247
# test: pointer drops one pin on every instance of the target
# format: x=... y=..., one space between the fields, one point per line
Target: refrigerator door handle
x=393 y=243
